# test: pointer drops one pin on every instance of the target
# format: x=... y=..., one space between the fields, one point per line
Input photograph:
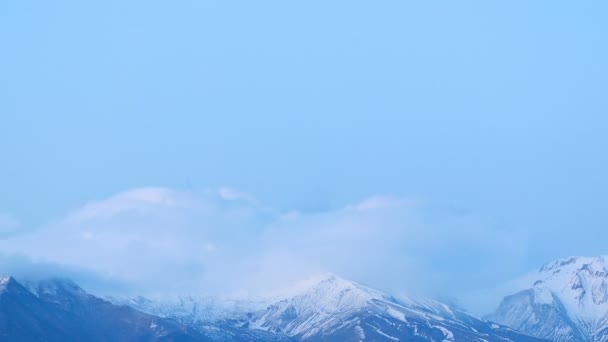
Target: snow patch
x=387 y=335
x=542 y=295
x=449 y=336
x=396 y=314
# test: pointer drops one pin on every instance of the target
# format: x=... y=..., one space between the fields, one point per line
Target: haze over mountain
x=566 y=302
x=326 y=308
x=140 y=241
x=334 y=309
x=490 y=117
x=171 y=155
x=58 y=310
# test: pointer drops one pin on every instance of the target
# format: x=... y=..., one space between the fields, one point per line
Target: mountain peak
x=5 y=281
x=333 y=308
x=9 y=284
x=330 y=280
x=581 y=283
x=327 y=307
x=329 y=291
x=569 y=293
x=574 y=263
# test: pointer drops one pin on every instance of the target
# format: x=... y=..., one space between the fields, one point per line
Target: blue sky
x=484 y=109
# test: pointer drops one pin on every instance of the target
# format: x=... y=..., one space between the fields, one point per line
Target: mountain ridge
x=567 y=299
x=331 y=308
x=69 y=313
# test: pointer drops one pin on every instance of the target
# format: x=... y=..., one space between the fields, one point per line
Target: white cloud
x=8 y=224
x=136 y=199
x=377 y=202
x=159 y=239
x=231 y=194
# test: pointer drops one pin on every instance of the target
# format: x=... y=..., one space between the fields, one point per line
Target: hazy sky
x=491 y=114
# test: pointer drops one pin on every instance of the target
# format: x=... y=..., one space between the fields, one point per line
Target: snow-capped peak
x=329 y=287
x=572 y=263
x=580 y=283
x=566 y=299
x=328 y=307
x=4 y=281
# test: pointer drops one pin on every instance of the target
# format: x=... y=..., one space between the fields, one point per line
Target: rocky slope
x=567 y=301
x=61 y=311
x=333 y=309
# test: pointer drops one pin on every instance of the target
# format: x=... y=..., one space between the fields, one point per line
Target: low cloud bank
x=162 y=241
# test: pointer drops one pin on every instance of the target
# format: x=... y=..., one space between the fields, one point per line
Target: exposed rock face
x=567 y=301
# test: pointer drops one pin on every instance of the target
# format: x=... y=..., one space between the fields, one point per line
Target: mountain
x=334 y=309
x=58 y=310
x=567 y=301
x=220 y=319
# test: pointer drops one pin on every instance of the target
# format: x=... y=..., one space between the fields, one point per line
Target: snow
x=387 y=335
x=542 y=295
x=321 y=305
x=195 y=308
x=315 y=308
x=449 y=336
x=580 y=286
x=580 y=283
x=360 y=333
x=396 y=314
x=4 y=280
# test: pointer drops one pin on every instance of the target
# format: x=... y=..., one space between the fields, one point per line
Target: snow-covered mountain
x=567 y=301
x=330 y=308
x=223 y=319
x=58 y=310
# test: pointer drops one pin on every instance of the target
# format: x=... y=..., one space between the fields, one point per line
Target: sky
x=476 y=129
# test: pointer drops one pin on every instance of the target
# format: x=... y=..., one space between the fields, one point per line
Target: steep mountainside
x=334 y=309
x=567 y=301
x=61 y=311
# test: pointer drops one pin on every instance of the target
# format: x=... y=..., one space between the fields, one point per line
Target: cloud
x=9 y=225
x=134 y=200
x=159 y=240
x=231 y=194
x=25 y=269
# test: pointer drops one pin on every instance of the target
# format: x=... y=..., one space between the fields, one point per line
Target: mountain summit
x=59 y=310
x=567 y=301
x=330 y=308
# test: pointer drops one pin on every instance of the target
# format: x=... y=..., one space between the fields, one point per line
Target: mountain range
x=59 y=310
x=330 y=308
x=567 y=300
